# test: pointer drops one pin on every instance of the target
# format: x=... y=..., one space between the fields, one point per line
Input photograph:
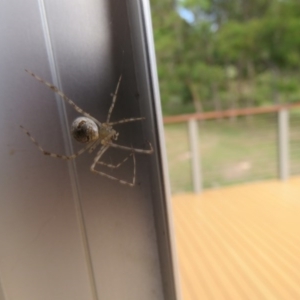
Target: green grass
x=231 y=152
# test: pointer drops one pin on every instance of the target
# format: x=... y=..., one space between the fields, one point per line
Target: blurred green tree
x=230 y=53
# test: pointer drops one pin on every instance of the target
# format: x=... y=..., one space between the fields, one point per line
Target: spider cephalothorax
x=88 y=130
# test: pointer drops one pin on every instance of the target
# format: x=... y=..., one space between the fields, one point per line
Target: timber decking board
x=240 y=242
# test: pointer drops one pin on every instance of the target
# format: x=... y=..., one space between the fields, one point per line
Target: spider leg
x=117 y=165
x=96 y=161
x=113 y=100
x=96 y=143
x=63 y=96
x=126 y=121
x=65 y=157
x=150 y=151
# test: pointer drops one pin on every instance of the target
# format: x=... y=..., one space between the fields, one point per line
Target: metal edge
x=146 y=11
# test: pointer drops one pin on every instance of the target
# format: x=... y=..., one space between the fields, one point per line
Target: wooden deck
x=240 y=242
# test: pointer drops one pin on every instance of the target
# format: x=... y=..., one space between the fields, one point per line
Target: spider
x=88 y=130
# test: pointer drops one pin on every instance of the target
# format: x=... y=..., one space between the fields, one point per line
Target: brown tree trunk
x=215 y=98
x=275 y=78
x=239 y=88
x=195 y=97
x=251 y=77
x=231 y=104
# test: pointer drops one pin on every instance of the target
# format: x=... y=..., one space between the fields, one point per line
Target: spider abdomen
x=84 y=130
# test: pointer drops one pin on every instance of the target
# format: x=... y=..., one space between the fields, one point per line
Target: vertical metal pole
x=196 y=169
x=283 y=144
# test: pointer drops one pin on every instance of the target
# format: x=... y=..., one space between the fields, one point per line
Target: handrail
x=282 y=139
x=229 y=113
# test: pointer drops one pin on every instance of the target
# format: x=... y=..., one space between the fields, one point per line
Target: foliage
x=232 y=53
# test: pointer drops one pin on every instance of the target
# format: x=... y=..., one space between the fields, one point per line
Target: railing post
x=196 y=169
x=283 y=144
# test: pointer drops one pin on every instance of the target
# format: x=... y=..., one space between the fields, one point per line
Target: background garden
x=216 y=55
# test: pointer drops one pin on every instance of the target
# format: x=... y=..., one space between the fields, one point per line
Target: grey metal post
x=122 y=238
x=196 y=169
x=283 y=144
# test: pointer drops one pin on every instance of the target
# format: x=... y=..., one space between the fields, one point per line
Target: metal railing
x=195 y=155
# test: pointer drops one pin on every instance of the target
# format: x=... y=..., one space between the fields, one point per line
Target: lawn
x=231 y=151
